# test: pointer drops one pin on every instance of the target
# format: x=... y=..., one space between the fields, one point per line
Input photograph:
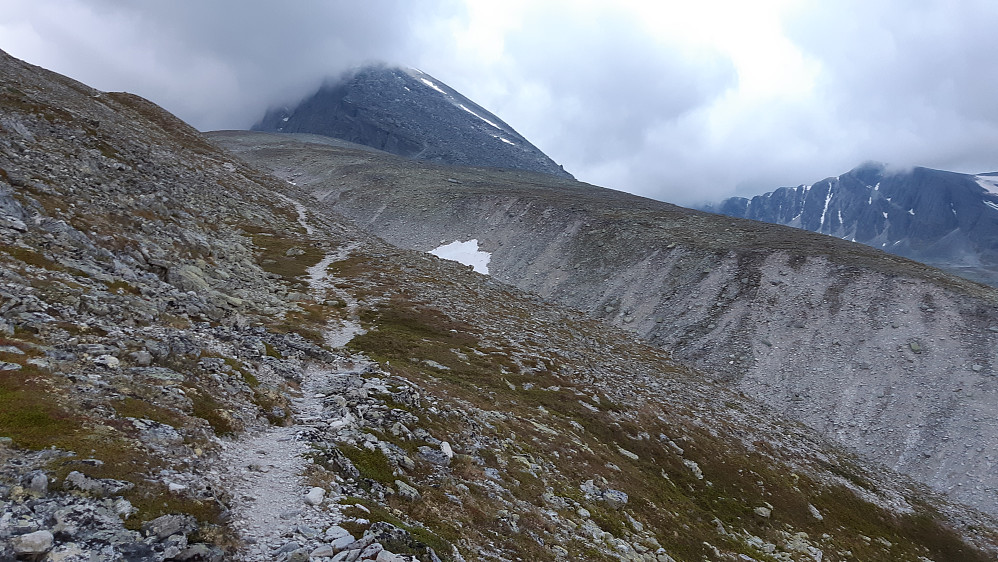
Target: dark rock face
x=410 y=113
x=945 y=219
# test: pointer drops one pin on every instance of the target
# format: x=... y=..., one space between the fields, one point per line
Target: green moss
x=210 y=410
x=271 y=351
x=29 y=413
x=250 y=379
x=131 y=407
x=371 y=464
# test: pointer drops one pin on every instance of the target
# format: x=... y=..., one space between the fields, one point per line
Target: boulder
x=33 y=544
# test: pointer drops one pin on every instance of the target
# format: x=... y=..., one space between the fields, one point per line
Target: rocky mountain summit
x=200 y=361
x=889 y=357
x=941 y=218
x=407 y=112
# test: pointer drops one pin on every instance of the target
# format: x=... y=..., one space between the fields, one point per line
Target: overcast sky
x=685 y=101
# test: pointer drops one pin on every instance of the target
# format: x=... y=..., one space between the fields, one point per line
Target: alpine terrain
x=944 y=219
x=887 y=356
x=201 y=360
x=410 y=113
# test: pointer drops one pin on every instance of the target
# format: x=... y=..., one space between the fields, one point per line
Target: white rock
x=342 y=542
x=324 y=551
x=336 y=532
x=176 y=488
x=763 y=511
x=33 y=543
x=445 y=448
x=385 y=556
x=814 y=512
x=109 y=361
x=314 y=496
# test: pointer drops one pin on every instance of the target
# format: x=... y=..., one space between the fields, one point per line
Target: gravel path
x=338 y=332
x=264 y=471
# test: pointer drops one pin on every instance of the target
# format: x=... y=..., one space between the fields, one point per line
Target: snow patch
x=988 y=183
x=876 y=187
x=480 y=117
x=432 y=85
x=911 y=212
x=885 y=215
x=989 y=204
x=828 y=199
x=505 y=140
x=466 y=253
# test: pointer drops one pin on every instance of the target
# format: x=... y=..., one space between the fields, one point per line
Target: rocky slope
x=944 y=219
x=201 y=363
x=889 y=357
x=410 y=113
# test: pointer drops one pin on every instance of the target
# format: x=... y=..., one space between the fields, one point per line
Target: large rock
x=167 y=525
x=100 y=487
x=35 y=543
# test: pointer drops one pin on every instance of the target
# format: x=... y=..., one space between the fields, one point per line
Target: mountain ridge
x=946 y=219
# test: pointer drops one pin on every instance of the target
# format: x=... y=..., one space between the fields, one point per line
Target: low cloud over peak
x=686 y=103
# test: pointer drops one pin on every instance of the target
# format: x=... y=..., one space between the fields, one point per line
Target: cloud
x=216 y=64
x=682 y=101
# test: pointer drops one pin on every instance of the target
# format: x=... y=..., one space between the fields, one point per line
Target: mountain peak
x=410 y=113
x=945 y=219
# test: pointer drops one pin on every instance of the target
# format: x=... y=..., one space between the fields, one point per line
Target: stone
x=814 y=512
x=336 y=532
x=38 y=484
x=385 y=556
x=615 y=499
x=407 y=492
x=109 y=361
x=433 y=456
x=323 y=551
x=763 y=511
x=342 y=542
x=627 y=453
x=371 y=551
x=35 y=543
x=201 y=553
x=141 y=358
x=100 y=487
x=445 y=448
x=167 y=525
x=315 y=496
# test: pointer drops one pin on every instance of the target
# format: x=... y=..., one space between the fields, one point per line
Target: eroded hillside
x=890 y=357
x=198 y=365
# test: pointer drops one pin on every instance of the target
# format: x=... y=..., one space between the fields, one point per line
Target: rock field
x=201 y=361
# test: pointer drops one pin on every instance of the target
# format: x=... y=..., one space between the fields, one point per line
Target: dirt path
x=338 y=332
x=264 y=471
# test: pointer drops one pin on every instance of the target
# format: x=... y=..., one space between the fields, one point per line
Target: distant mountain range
x=945 y=219
x=407 y=112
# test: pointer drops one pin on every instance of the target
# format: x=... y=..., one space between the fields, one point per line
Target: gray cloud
x=616 y=103
x=217 y=64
